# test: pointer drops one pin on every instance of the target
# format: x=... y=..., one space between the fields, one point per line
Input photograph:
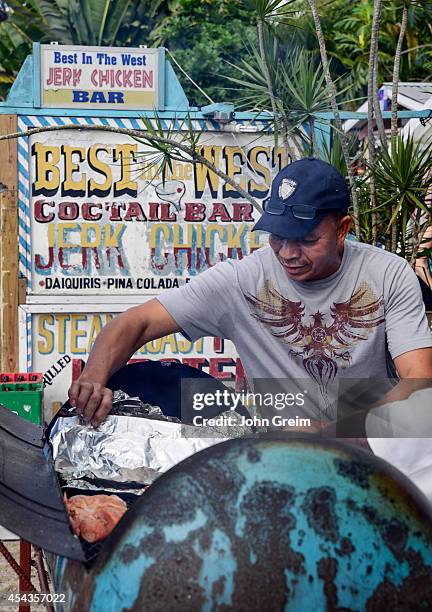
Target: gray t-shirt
x=342 y=326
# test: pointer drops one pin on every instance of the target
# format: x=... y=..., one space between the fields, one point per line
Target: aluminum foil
x=123 y=405
x=125 y=453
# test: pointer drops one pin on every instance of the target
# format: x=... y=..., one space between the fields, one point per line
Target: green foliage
x=347 y=29
x=276 y=11
x=248 y=76
x=24 y=24
x=403 y=177
x=306 y=94
x=111 y=22
x=352 y=43
x=179 y=143
x=333 y=154
x=203 y=35
x=298 y=83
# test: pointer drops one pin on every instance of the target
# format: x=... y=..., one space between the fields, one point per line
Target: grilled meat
x=93 y=517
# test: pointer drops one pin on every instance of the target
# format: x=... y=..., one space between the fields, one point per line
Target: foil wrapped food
x=125 y=452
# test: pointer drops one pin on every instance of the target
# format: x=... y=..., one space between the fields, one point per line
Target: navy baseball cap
x=301 y=195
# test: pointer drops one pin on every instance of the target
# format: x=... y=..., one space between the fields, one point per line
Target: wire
x=188 y=77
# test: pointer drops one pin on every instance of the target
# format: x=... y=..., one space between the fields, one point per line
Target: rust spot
x=395 y=535
x=171 y=586
x=385 y=597
x=414 y=593
x=253 y=455
x=393 y=532
x=78 y=581
x=327 y=569
x=129 y=553
x=149 y=545
x=272 y=498
x=173 y=505
x=217 y=590
x=355 y=471
x=301 y=535
x=319 y=508
x=205 y=540
x=267 y=510
x=346 y=547
x=152 y=543
x=220 y=483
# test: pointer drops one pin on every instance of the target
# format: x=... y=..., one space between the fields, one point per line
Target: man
x=311 y=305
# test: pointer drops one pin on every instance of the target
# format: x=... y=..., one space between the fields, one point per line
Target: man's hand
x=92 y=401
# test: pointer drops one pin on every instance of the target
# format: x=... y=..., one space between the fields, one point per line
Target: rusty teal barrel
x=268 y=524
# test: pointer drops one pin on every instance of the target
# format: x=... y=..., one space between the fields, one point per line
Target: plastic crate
x=6 y=377
x=24 y=399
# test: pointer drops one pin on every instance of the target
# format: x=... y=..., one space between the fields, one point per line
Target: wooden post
x=9 y=246
x=25 y=564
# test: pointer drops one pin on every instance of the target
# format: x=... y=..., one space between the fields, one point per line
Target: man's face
x=315 y=256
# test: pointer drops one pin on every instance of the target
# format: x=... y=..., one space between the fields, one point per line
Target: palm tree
x=372 y=106
x=272 y=12
x=301 y=92
x=394 y=103
x=396 y=69
x=347 y=29
x=403 y=178
x=332 y=91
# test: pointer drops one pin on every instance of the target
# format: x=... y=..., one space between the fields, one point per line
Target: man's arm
x=114 y=346
x=414 y=369
x=415 y=364
x=199 y=308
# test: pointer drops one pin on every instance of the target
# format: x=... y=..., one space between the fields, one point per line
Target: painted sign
x=61 y=342
x=103 y=221
x=101 y=77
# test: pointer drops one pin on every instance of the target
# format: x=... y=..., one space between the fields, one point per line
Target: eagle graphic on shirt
x=321 y=347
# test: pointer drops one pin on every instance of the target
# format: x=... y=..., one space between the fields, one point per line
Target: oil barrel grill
x=258 y=523
x=31 y=492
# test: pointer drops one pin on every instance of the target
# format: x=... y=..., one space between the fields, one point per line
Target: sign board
x=104 y=222
x=118 y=78
x=60 y=339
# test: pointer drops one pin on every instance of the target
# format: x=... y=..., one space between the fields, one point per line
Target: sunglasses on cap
x=299 y=211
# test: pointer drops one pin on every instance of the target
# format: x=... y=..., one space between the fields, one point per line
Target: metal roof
x=419 y=93
x=411 y=96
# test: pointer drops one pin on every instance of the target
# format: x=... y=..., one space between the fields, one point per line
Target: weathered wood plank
x=9 y=246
